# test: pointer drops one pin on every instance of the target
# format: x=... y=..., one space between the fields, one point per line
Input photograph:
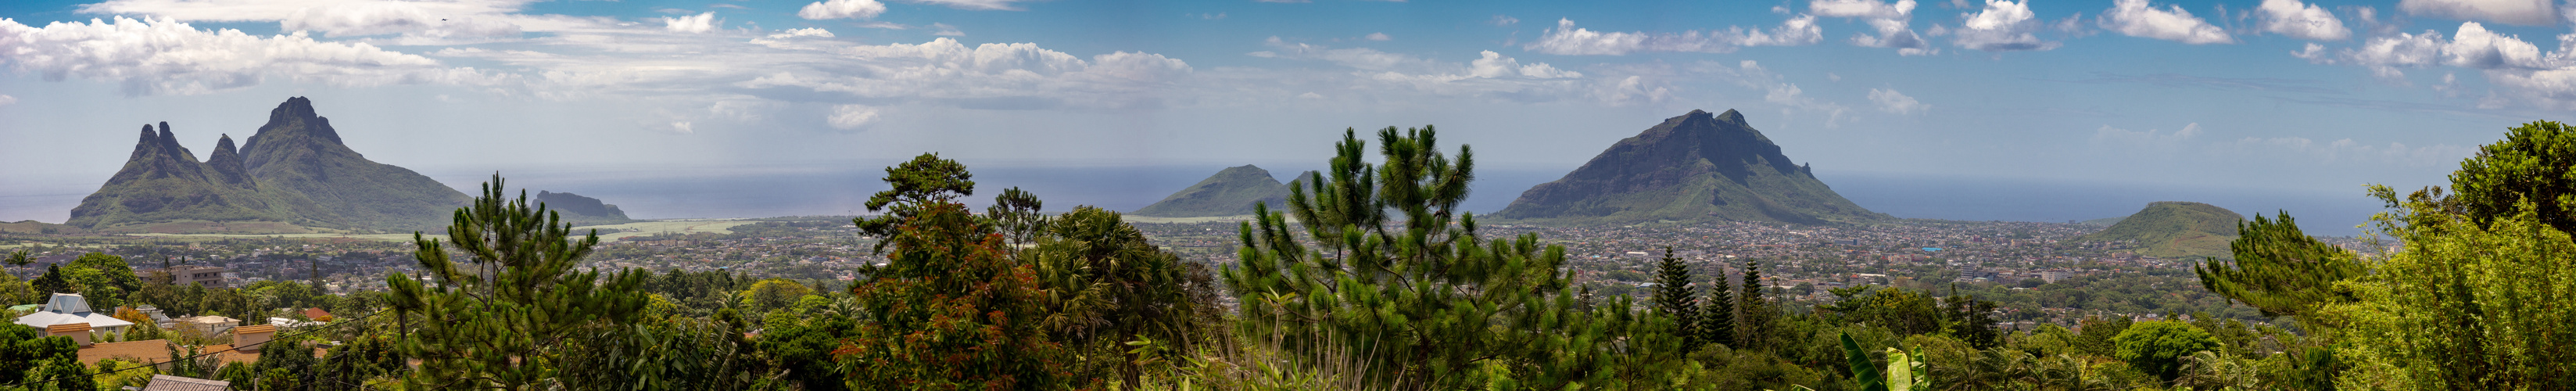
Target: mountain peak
x=298 y=114
x=1231 y=192
x=1690 y=167
x=1730 y=116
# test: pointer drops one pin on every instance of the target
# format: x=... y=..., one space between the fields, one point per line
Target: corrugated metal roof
x=175 y=383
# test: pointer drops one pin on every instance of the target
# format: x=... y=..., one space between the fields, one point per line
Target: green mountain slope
x=2175 y=229
x=293 y=174
x=1231 y=192
x=1697 y=166
x=164 y=182
x=299 y=152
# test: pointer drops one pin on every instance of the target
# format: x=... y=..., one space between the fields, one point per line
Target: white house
x=68 y=308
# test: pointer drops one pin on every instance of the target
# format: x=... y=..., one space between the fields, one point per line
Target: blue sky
x=2271 y=95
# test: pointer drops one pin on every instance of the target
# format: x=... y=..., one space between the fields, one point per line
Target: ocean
x=843 y=190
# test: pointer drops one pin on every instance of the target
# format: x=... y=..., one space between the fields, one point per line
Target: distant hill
x=32 y=227
x=2103 y=222
x=1231 y=192
x=578 y=208
x=2175 y=229
x=1696 y=166
x=293 y=176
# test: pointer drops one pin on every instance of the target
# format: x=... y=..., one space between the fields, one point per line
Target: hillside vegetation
x=2175 y=229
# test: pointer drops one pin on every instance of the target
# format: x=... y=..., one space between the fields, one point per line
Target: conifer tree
x=1717 y=314
x=1674 y=299
x=1752 y=312
x=1422 y=303
x=2279 y=269
x=505 y=317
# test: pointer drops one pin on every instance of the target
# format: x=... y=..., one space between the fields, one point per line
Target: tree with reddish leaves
x=950 y=310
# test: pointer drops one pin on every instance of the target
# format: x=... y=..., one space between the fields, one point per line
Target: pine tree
x=1717 y=315
x=505 y=318
x=1425 y=301
x=1674 y=299
x=2280 y=270
x=1752 y=312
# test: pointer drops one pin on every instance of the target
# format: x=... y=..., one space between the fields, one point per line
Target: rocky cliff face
x=163 y=181
x=1231 y=192
x=1697 y=166
x=299 y=153
x=294 y=171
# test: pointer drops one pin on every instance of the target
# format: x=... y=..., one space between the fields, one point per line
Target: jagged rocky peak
x=297 y=115
x=227 y=163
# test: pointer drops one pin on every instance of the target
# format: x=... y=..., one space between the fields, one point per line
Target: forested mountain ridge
x=1697 y=166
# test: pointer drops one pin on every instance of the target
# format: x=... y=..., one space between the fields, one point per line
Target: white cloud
x=392 y=18
x=152 y=57
x=2137 y=18
x=1566 y=39
x=682 y=127
x=851 y=117
x=1890 y=19
x=945 y=30
x=1504 y=21
x=842 y=9
x=691 y=24
x=6 y=100
x=2002 y=25
x=992 y=75
x=1866 y=9
x=1378 y=37
x=2476 y=47
x=2302 y=21
x=1894 y=102
x=1496 y=65
x=416 y=22
x=803 y=32
x=979 y=5
x=2522 y=12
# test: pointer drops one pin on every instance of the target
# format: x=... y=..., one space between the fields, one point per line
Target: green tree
x=1117 y=287
x=103 y=279
x=687 y=354
x=1970 y=320
x=1675 y=299
x=773 y=294
x=1753 y=309
x=2279 y=269
x=804 y=350
x=1423 y=302
x=14 y=290
x=2463 y=305
x=1717 y=313
x=2157 y=347
x=505 y=318
x=53 y=281
x=23 y=349
x=950 y=309
x=2535 y=163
